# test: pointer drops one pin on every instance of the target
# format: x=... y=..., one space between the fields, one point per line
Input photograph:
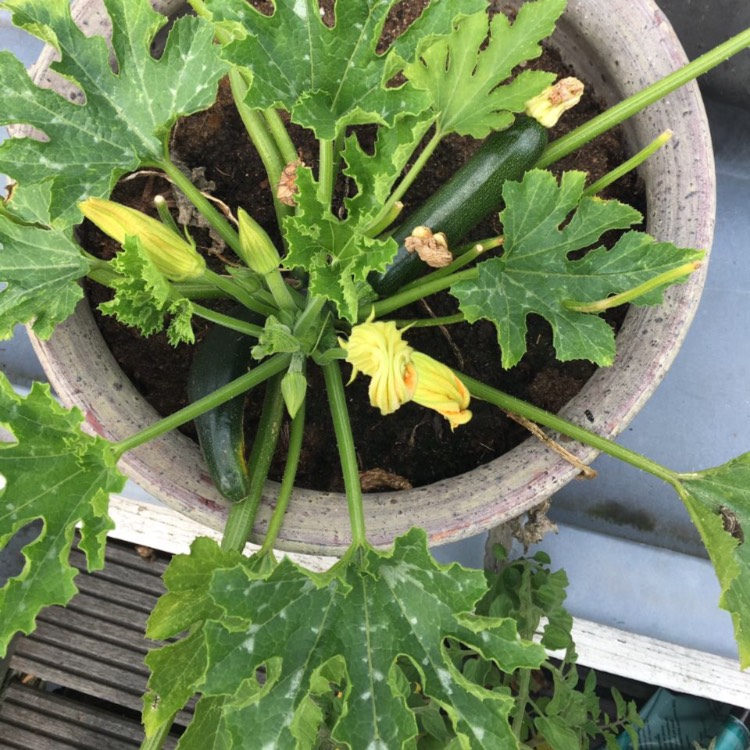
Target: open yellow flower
x=377 y=349
x=440 y=389
x=399 y=374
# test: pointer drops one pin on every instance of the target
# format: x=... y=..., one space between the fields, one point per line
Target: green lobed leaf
x=328 y=78
x=40 y=268
x=364 y=615
x=54 y=472
x=375 y=174
x=335 y=253
x=121 y=119
x=145 y=299
x=543 y=222
x=718 y=501
x=466 y=79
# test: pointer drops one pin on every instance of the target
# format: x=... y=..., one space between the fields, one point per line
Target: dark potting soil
x=414 y=446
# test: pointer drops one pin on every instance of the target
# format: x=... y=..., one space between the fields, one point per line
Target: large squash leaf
x=54 y=472
x=467 y=72
x=544 y=222
x=39 y=267
x=329 y=77
x=348 y=628
x=122 y=117
x=718 y=501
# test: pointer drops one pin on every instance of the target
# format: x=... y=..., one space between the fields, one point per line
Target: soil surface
x=414 y=446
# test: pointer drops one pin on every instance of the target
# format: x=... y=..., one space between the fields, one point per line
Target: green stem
x=406 y=297
x=464 y=256
x=405 y=183
x=629 y=165
x=294 y=450
x=309 y=319
x=444 y=320
x=165 y=215
x=214 y=217
x=242 y=514
x=582 y=435
x=634 y=104
x=668 y=277
x=282 y=294
x=326 y=172
x=281 y=135
x=234 y=290
x=266 y=146
x=227 y=321
x=256 y=376
x=347 y=453
x=387 y=219
x=156 y=742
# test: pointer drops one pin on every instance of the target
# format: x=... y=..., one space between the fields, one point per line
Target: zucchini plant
x=387 y=649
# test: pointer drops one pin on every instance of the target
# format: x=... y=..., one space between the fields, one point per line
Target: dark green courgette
x=472 y=194
x=222 y=356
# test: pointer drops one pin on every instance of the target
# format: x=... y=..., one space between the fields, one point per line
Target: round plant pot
x=618 y=59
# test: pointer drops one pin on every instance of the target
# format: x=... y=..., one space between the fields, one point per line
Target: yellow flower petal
x=377 y=349
x=440 y=389
x=172 y=255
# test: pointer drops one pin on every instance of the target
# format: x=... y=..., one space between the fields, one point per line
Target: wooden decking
x=87 y=661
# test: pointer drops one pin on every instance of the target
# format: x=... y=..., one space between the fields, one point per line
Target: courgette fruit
x=472 y=194
x=222 y=356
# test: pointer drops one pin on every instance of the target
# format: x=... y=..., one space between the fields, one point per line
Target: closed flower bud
x=293 y=389
x=258 y=251
x=377 y=349
x=173 y=256
x=547 y=107
x=440 y=389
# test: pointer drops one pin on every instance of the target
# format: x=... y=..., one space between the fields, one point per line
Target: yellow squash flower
x=399 y=374
x=440 y=389
x=172 y=255
x=377 y=349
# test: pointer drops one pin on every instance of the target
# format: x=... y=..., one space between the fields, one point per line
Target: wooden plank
x=138 y=578
x=68 y=722
x=656 y=662
x=87 y=675
x=77 y=643
x=90 y=623
x=110 y=591
x=167 y=530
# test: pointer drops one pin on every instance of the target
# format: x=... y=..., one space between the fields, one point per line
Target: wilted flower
x=172 y=255
x=377 y=349
x=547 y=107
x=400 y=374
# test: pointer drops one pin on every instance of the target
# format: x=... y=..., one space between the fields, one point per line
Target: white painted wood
x=659 y=663
x=164 y=529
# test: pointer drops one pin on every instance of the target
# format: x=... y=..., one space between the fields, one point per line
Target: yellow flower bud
x=547 y=107
x=172 y=255
x=440 y=389
x=377 y=349
x=258 y=251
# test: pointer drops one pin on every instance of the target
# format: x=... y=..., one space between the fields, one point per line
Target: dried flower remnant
x=287 y=188
x=431 y=248
x=547 y=107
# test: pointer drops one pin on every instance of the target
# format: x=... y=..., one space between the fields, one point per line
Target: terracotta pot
x=617 y=59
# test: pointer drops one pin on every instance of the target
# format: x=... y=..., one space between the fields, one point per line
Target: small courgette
x=472 y=194
x=222 y=356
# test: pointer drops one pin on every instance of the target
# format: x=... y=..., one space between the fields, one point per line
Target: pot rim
x=84 y=373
